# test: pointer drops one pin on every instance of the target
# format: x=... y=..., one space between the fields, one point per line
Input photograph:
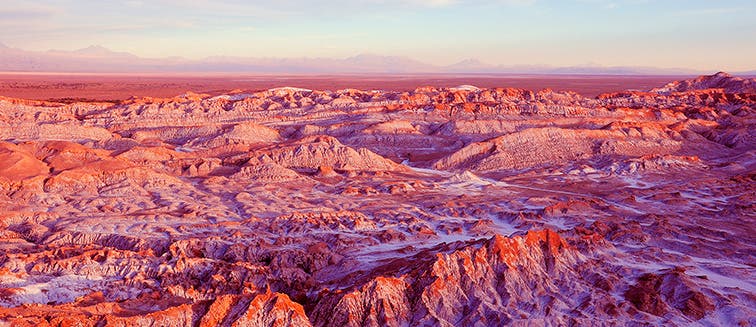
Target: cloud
x=707 y=11
x=434 y=3
x=517 y=2
x=447 y=3
x=27 y=12
x=134 y=3
x=612 y=4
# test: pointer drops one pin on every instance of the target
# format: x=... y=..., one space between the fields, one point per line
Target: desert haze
x=98 y=59
x=377 y=201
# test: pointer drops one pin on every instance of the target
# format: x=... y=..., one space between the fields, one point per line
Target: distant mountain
x=624 y=70
x=358 y=64
x=98 y=59
x=470 y=65
x=475 y=66
x=102 y=52
x=387 y=63
x=91 y=59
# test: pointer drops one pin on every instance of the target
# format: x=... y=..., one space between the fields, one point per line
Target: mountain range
x=98 y=59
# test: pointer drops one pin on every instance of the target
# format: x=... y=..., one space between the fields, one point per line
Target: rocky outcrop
x=271 y=309
x=673 y=290
x=720 y=80
x=311 y=153
x=17 y=164
x=551 y=146
x=537 y=276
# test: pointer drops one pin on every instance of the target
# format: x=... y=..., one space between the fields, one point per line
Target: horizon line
x=426 y=68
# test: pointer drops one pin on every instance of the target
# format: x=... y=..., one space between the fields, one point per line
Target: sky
x=691 y=34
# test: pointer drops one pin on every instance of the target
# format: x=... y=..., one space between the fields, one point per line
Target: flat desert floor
x=69 y=87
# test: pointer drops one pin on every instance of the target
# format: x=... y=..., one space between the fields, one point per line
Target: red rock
x=456 y=206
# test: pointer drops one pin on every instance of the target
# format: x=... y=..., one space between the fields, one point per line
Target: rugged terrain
x=433 y=207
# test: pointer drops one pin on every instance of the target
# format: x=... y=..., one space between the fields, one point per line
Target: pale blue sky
x=663 y=33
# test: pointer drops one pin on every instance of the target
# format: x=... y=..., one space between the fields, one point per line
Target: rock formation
x=433 y=207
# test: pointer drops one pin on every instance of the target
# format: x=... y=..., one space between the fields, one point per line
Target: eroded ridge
x=439 y=206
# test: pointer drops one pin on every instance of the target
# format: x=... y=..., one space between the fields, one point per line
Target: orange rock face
x=434 y=207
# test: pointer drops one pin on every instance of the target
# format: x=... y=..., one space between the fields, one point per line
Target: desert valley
x=442 y=205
